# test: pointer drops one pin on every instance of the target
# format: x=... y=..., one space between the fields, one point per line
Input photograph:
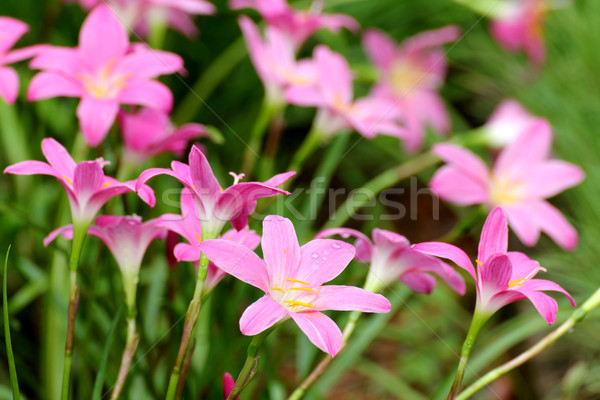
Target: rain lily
x=507 y=122
x=522 y=178
x=295 y=24
x=148 y=132
x=410 y=76
x=188 y=225
x=215 y=205
x=502 y=277
x=519 y=26
x=104 y=71
x=292 y=277
x=11 y=31
x=85 y=183
x=333 y=94
x=392 y=257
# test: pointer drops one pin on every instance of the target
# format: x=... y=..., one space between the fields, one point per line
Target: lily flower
x=410 y=77
x=215 y=205
x=148 y=133
x=297 y=25
x=104 y=71
x=392 y=257
x=333 y=94
x=502 y=277
x=12 y=29
x=507 y=122
x=292 y=278
x=188 y=225
x=86 y=185
x=522 y=178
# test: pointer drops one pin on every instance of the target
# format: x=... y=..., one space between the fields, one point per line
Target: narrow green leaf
x=393 y=384
x=9 y=352
x=99 y=382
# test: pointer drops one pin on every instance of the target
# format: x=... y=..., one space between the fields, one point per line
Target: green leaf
x=99 y=382
x=9 y=353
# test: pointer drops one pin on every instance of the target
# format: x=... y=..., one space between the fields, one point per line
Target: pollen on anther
x=297 y=281
x=279 y=289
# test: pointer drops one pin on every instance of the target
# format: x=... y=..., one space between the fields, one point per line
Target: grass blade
x=99 y=382
x=9 y=353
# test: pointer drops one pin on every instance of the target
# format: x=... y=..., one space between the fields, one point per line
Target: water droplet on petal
x=314 y=255
x=336 y=246
x=324 y=258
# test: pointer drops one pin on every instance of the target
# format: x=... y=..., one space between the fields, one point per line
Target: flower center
x=407 y=76
x=106 y=84
x=294 y=294
x=505 y=190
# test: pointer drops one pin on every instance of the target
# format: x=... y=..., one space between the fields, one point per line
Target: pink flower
x=215 y=205
x=502 y=277
x=11 y=31
x=522 y=178
x=392 y=257
x=333 y=94
x=274 y=60
x=507 y=122
x=410 y=76
x=295 y=24
x=520 y=27
x=85 y=183
x=188 y=225
x=228 y=385
x=291 y=277
x=149 y=132
x=104 y=71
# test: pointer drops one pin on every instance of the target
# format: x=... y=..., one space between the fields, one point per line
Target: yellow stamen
x=516 y=282
x=106 y=184
x=276 y=288
x=297 y=281
x=298 y=303
x=284 y=251
x=478 y=263
x=303 y=288
x=68 y=180
x=198 y=237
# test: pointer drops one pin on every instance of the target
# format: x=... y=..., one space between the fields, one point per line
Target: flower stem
x=312 y=141
x=591 y=303
x=79 y=232
x=250 y=365
x=267 y=165
x=188 y=327
x=266 y=113
x=128 y=352
x=377 y=184
x=476 y=324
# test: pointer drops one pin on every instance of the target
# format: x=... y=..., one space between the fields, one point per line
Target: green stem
x=211 y=78
x=79 y=232
x=591 y=303
x=476 y=323
x=267 y=165
x=312 y=141
x=267 y=110
x=377 y=184
x=188 y=328
x=128 y=353
x=250 y=365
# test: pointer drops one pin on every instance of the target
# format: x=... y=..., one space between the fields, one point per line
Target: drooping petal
x=261 y=315
x=151 y=173
x=58 y=157
x=9 y=84
x=45 y=85
x=447 y=251
x=186 y=252
x=147 y=93
x=103 y=38
x=66 y=231
x=494 y=235
x=320 y=330
x=237 y=260
x=321 y=260
x=31 y=168
x=280 y=248
x=349 y=298
x=95 y=118
x=544 y=304
x=420 y=282
x=544 y=285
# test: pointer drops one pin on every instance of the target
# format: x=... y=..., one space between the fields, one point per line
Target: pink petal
x=321 y=260
x=98 y=199
x=380 y=48
x=522 y=265
x=45 y=85
x=66 y=231
x=237 y=260
x=145 y=192
x=88 y=179
x=433 y=110
x=186 y=252
x=555 y=225
x=320 y=330
x=239 y=200
x=147 y=93
x=454 y=185
x=529 y=148
x=418 y=262
x=363 y=245
x=58 y=157
x=334 y=22
x=103 y=38
x=447 y=251
x=95 y=118
x=57 y=59
x=544 y=285
x=494 y=235
x=521 y=222
x=147 y=63
x=463 y=160
x=175 y=223
x=151 y=173
x=349 y=298
x=12 y=29
x=9 y=84
x=228 y=385
x=261 y=315
x=203 y=177
x=31 y=168
x=495 y=274
x=335 y=75
x=552 y=177
x=420 y=282
x=280 y=248
x=544 y=304
x=388 y=239
x=431 y=39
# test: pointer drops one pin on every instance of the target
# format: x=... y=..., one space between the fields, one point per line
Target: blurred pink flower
x=410 y=76
x=11 y=31
x=228 y=385
x=332 y=92
x=188 y=225
x=520 y=27
x=297 y=25
x=507 y=122
x=502 y=276
x=215 y=205
x=392 y=257
x=522 y=178
x=86 y=185
x=148 y=132
x=104 y=71
x=291 y=277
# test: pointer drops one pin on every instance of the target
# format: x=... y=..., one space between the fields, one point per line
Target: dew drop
x=325 y=252
x=314 y=255
x=324 y=258
x=336 y=246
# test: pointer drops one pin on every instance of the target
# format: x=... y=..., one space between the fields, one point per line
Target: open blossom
x=502 y=277
x=297 y=25
x=292 y=278
x=104 y=71
x=274 y=60
x=215 y=205
x=147 y=133
x=392 y=257
x=519 y=26
x=333 y=94
x=86 y=185
x=189 y=226
x=140 y=14
x=522 y=178
x=410 y=77
x=507 y=122
x=11 y=30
